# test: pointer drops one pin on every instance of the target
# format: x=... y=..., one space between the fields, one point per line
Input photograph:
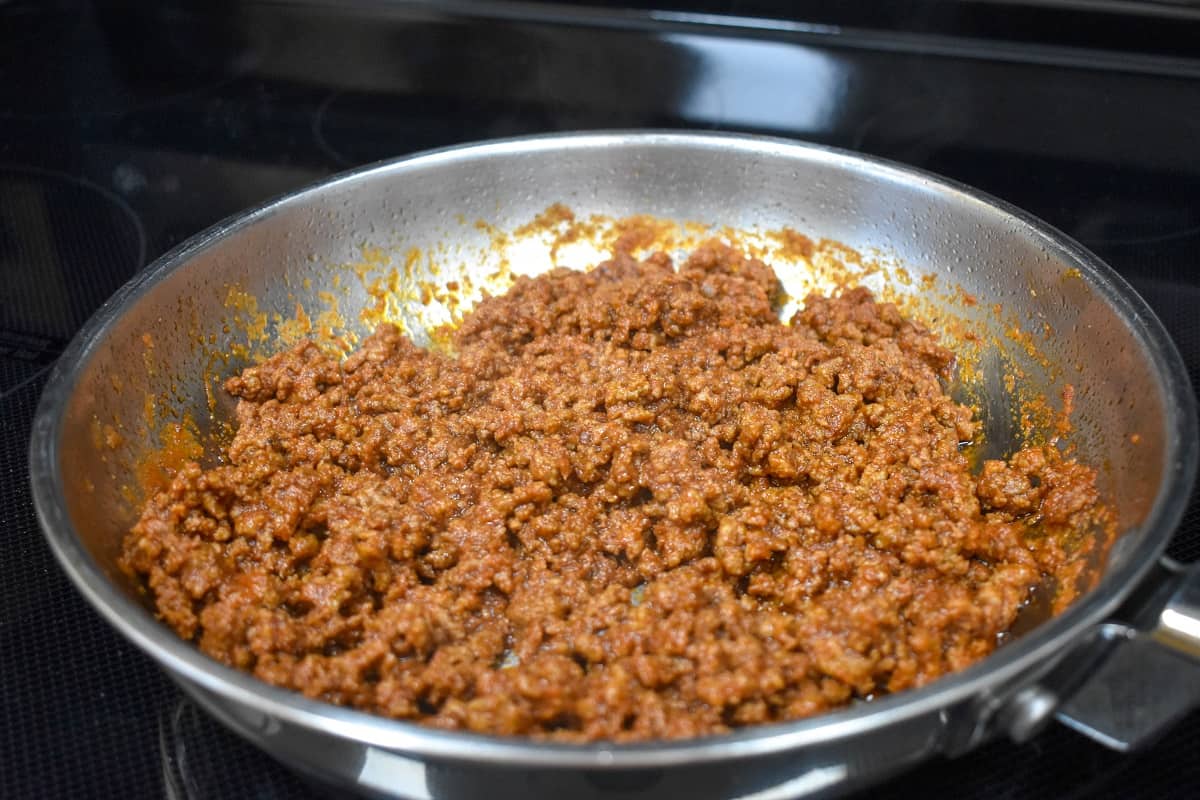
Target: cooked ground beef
x=624 y=504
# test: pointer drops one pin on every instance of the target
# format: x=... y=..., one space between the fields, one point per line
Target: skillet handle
x=1179 y=623
x=1145 y=671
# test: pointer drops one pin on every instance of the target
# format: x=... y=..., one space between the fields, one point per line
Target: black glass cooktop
x=124 y=130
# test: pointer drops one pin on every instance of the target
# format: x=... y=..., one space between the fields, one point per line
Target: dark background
x=125 y=129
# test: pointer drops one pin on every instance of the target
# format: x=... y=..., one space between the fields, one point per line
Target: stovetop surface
x=123 y=132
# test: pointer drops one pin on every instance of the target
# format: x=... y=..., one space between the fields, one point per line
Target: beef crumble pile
x=628 y=504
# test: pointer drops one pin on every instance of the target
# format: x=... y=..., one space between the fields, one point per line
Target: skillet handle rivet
x=1027 y=712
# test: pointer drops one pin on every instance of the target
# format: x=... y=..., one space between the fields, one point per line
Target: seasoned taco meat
x=622 y=504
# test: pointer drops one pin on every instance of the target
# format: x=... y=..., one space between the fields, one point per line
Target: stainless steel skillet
x=152 y=355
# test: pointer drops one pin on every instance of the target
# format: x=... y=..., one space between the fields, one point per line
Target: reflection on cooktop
x=455 y=84
x=197 y=754
x=77 y=58
x=357 y=128
x=65 y=245
x=1109 y=223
